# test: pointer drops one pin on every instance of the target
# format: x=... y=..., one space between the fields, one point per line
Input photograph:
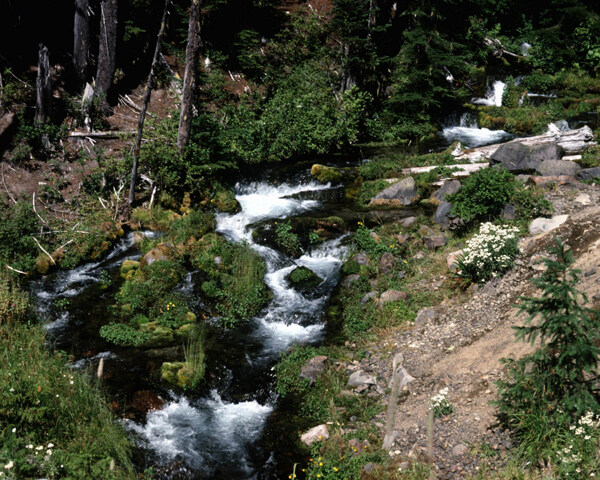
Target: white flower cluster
x=583 y=429
x=440 y=404
x=491 y=251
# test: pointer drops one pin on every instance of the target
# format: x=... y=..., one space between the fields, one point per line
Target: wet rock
x=588 y=173
x=433 y=242
x=303 y=279
x=146 y=400
x=326 y=174
x=163 y=251
x=350 y=279
x=313 y=368
x=408 y=221
x=371 y=295
x=550 y=168
x=448 y=188
x=386 y=263
x=360 y=379
x=315 y=434
x=392 y=296
x=543 y=225
x=521 y=158
x=177 y=373
x=401 y=193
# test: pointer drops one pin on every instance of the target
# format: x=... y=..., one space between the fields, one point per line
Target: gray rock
x=583 y=199
x=442 y=214
x=522 y=178
x=404 y=192
x=517 y=157
x=315 y=434
x=350 y=279
x=448 y=188
x=313 y=368
x=408 y=221
x=368 y=296
x=425 y=315
x=386 y=263
x=433 y=242
x=508 y=212
x=361 y=258
x=392 y=296
x=549 y=168
x=360 y=379
x=543 y=225
x=460 y=450
x=402 y=238
x=588 y=173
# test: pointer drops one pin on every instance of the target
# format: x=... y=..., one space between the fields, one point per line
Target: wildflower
x=29 y=446
x=41 y=447
x=71 y=382
x=12 y=390
x=14 y=429
x=9 y=465
x=50 y=445
x=48 y=452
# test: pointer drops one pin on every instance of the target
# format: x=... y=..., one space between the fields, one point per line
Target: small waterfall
x=493 y=96
x=466 y=130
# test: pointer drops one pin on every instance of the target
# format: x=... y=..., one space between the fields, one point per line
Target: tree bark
x=138 y=140
x=43 y=86
x=189 y=78
x=81 y=40
x=106 y=52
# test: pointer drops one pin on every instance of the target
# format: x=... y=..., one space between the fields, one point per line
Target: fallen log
x=101 y=134
x=572 y=142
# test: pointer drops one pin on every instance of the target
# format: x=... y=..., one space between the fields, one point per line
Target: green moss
x=129 y=268
x=303 y=279
x=326 y=174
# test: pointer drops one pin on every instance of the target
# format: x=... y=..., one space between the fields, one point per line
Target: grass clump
x=56 y=423
x=123 y=335
x=14 y=302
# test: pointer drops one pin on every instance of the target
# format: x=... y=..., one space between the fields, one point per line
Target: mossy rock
x=178 y=374
x=225 y=201
x=129 y=269
x=158 y=335
x=326 y=174
x=42 y=264
x=303 y=279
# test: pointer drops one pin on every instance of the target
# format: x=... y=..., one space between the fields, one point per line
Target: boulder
x=163 y=251
x=350 y=279
x=433 y=242
x=386 y=263
x=448 y=188
x=521 y=158
x=315 y=434
x=392 y=296
x=361 y=258
x=146 y=400
x=425 y=230
x=401 y=193
x=313 y=368
x=442 y=215
x=408 y=221
x=543 y=225
x=360 y=379
x=452 y=259
x=177 y=373
x=128 y=269
x=557 y=167
x=425 y=315
x=402 y=238
x=583 y=199
x=508 y=212
x=303 y=279
x=588 y=173
x=371 y=295
x=557 y=181
x=326 y=174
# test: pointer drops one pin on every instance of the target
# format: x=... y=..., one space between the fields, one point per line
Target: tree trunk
x=189 y=78
x=81 y=40
x=106 y=52
x=43 y=86
x=138 y=140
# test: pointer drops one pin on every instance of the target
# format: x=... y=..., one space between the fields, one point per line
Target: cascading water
x=493 y=96
x=465 y=129
x=218 y=434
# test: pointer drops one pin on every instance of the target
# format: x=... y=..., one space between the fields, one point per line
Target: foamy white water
x=468 y=133
x=493 y=95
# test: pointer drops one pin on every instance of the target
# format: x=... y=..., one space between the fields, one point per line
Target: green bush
x=17 y=247
x=483 y=194
x=123 y=335
x=287 y=240
x=55 y=422
x=545 y=390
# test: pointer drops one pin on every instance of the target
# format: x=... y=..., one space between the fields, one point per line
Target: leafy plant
x=440 y=404
x=286 y=239
x=123 y=335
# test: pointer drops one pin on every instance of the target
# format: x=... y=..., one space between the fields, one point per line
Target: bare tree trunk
x=189 y=78
x=138 y=140
x=81 y=40
x=43 y=86
x=106 y=51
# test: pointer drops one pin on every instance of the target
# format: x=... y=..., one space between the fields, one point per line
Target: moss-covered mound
x=303 y=279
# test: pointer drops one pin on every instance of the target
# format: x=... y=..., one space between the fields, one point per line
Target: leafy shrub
x=546 y=389
x=173 y=312
x=483 y=194
x=489 y=253
x=286 y=239
x=530 y=202
x=123 y=335
x=17 y=247
x=440 y=404
x=194 y=224
x=364 y=240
